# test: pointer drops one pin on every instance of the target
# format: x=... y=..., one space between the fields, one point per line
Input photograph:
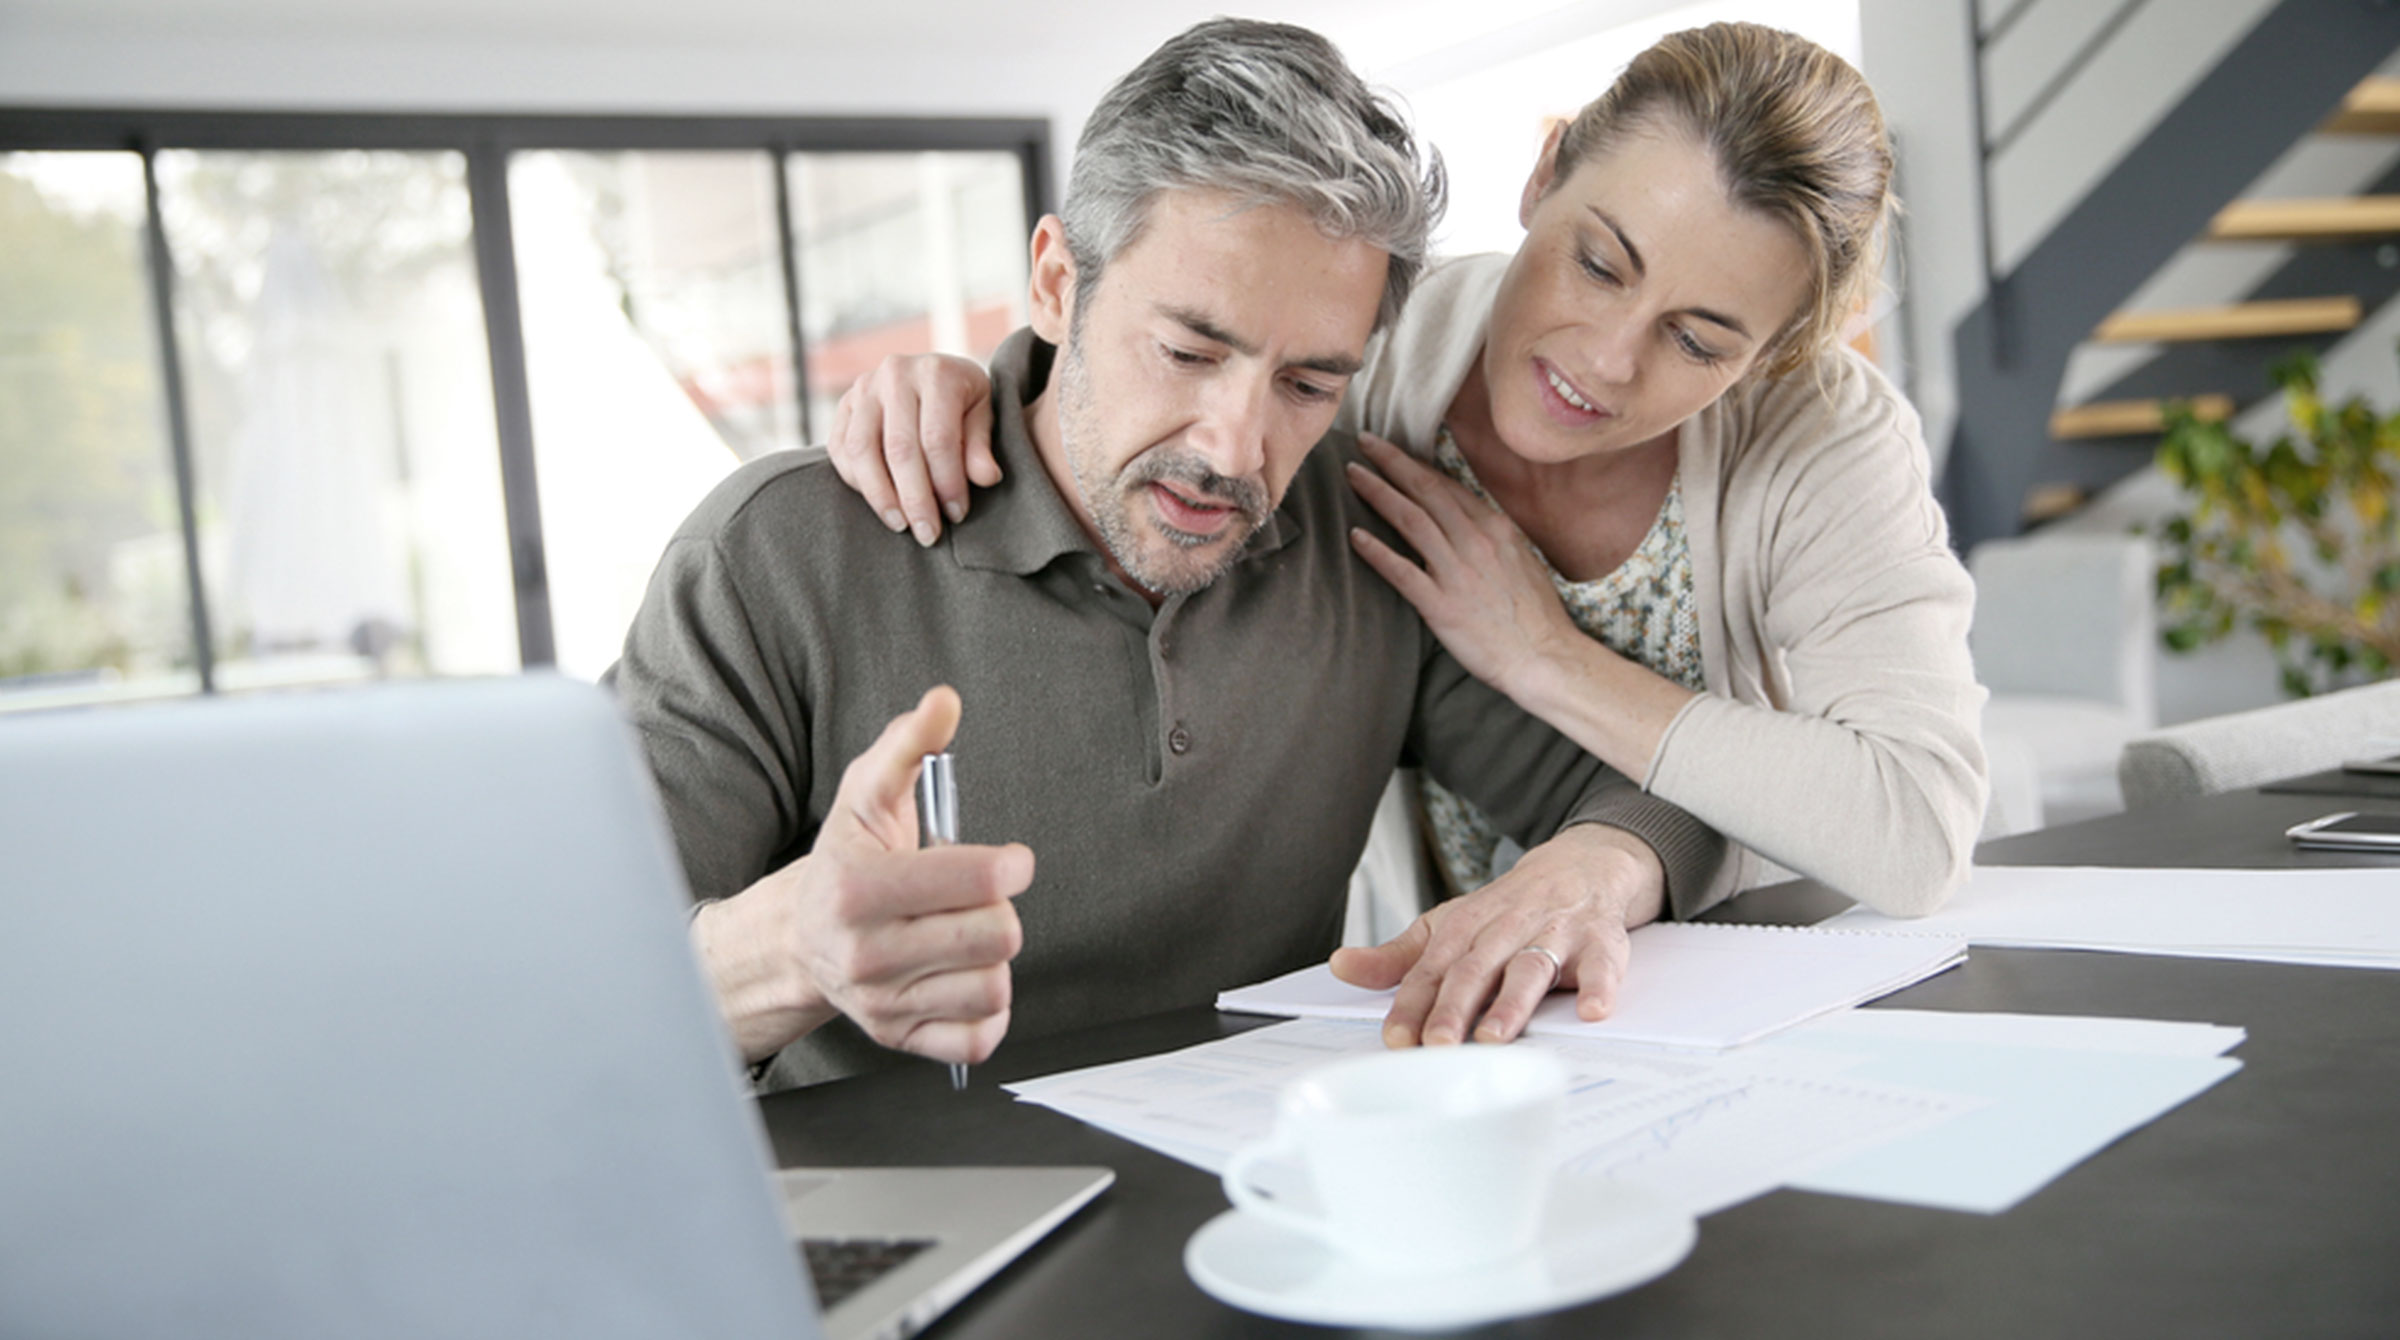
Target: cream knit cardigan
x=1839 y=735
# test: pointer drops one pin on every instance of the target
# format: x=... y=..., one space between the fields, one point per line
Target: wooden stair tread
x=2373 y=108
x=2305 y=220
x=2238 y=321
x=2129 y=418
x=2050 y=501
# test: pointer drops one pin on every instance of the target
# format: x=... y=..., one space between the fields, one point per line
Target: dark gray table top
x=2269 y=1205
x=2378 y=789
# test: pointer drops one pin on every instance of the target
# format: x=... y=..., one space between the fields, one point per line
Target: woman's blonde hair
x=1796 y=136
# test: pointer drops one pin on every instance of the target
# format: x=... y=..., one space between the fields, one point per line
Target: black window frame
x=486 y=140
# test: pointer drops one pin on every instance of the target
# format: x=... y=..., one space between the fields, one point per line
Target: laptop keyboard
x=841 y=1267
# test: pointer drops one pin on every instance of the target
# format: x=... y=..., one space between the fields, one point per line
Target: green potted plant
x=2299 y=539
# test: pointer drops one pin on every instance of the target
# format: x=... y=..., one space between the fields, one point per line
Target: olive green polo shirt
x=1196 y=782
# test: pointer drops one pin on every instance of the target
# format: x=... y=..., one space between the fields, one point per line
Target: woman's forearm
x=1884 y=808
x=1615 y=708
x=1800 y=790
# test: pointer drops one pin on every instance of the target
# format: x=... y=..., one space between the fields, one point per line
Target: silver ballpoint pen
x=937 y=826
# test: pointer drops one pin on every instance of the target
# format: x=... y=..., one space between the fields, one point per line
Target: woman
x=1669 y=512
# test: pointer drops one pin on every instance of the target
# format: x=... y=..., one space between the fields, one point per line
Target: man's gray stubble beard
x=1115 y=521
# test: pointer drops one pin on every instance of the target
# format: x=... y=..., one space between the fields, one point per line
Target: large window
x=307 y=399
x=905 y=252
x=94 y=588
x=346 y=474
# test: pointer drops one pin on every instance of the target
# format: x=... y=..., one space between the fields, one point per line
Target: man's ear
x=1544 y=173
x=1053 y=283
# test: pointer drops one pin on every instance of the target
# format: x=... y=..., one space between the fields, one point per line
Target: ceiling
x=1375 y=33
x=1479 y=79
x=689 y=21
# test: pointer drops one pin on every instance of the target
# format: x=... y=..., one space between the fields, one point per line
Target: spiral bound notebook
x=1700 y=985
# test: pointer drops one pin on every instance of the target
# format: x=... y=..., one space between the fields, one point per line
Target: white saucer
x=1596 y=1240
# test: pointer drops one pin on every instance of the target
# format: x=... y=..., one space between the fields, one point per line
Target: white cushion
x=2074 y=743
x=2242 y=749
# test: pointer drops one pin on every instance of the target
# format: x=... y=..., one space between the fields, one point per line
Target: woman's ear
x=1545 y=172
x=1052 y=286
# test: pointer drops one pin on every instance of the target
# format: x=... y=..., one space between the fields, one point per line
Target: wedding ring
x=1558 y=966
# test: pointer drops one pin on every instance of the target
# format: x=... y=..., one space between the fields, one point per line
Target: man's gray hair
x=1270 y=114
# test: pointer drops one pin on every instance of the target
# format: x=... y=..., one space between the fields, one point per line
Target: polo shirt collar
x=1021 y=525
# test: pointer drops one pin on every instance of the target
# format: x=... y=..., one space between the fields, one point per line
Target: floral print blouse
x=1645 y=611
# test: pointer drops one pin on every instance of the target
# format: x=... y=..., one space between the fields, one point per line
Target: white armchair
x=2065 y=636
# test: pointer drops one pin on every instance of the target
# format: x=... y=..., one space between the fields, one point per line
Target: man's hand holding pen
x=913 y=944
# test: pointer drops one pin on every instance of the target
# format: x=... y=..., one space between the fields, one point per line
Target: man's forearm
x=764 y=1002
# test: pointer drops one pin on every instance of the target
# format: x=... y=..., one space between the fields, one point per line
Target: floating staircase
x=2146 y=418
x=2371 y=108
x=2306 y=67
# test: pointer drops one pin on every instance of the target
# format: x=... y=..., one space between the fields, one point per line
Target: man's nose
x=1232 y=430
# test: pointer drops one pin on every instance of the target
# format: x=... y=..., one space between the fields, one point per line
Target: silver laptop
x=372 y=1013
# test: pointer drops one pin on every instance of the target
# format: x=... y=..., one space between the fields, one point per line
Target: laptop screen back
x=365 y=1013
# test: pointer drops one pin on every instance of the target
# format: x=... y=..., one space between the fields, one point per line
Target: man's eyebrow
x=1199 y=324
x=1335 y=365
x=1633 y=259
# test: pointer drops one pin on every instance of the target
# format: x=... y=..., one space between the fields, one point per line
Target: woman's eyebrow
x=1721 y=319
x=1633 y=254
x=1633 y=262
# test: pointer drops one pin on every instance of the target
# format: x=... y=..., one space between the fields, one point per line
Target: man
x=1182 y=690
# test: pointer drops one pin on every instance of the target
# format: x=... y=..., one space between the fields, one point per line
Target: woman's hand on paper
x=1475 y=967
x=1477 y=581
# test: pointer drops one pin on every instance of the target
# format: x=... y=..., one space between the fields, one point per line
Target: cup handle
x=1249 y=1200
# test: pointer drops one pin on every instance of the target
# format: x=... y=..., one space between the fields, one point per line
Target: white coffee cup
x=1433 y=1157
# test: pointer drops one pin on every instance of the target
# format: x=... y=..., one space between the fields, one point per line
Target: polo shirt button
x=1179 y=740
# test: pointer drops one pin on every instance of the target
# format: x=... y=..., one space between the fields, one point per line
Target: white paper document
x=2066 y=1032
x=1688 y=984
x=1703 y=1131
x=2060 y=1091
x=1961 y=1111
x=2330 y=917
